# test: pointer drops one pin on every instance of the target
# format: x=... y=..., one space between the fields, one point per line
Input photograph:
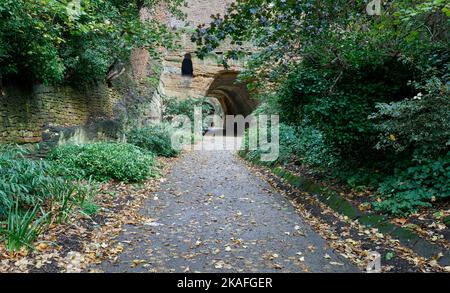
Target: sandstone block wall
x=200 y=11
x=24 y=114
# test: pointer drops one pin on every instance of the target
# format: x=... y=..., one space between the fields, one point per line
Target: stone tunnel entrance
x=209 y=79
x=233 y=97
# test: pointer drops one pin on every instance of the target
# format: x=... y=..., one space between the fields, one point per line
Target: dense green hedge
x=106 y=161
x=154 y=138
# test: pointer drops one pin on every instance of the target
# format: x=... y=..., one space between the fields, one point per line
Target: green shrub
x=106 y=161
x=418 y=124
x=297 y=144
x=173 y=107
x=340 y=110
x=418 y=186
x=155 y=138
x=311 y=147
x=33 y=194
x=288 y=137
x=30 y=182
x=21 y=180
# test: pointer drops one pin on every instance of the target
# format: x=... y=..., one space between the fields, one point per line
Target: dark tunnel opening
x=233 y=96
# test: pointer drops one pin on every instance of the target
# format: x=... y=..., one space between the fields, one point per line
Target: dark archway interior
x=187 y=68
x=234 y=97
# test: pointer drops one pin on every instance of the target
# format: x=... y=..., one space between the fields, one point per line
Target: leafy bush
x=288 y=137
x=106 y=161
x=174 y=107
x=312 y=149
x=338 y=102
x=416 y=128
x=31 y=183
x=34 y=194
x=185 y=107
x=297 y=144
x=420 y=185
x=288 y=143
x=89 y=208
x=418 y=124
x=23 y=181
x=154 y=138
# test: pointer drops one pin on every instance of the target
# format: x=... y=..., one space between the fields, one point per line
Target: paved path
x=213 y=215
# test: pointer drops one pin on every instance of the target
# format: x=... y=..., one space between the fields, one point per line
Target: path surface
x=213 y=215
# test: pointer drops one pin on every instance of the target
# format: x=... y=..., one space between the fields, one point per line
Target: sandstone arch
x=209 y=77
x=209 y=80
x=233 y=96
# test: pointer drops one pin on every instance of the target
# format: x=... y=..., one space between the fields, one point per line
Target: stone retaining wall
x=24 y=114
